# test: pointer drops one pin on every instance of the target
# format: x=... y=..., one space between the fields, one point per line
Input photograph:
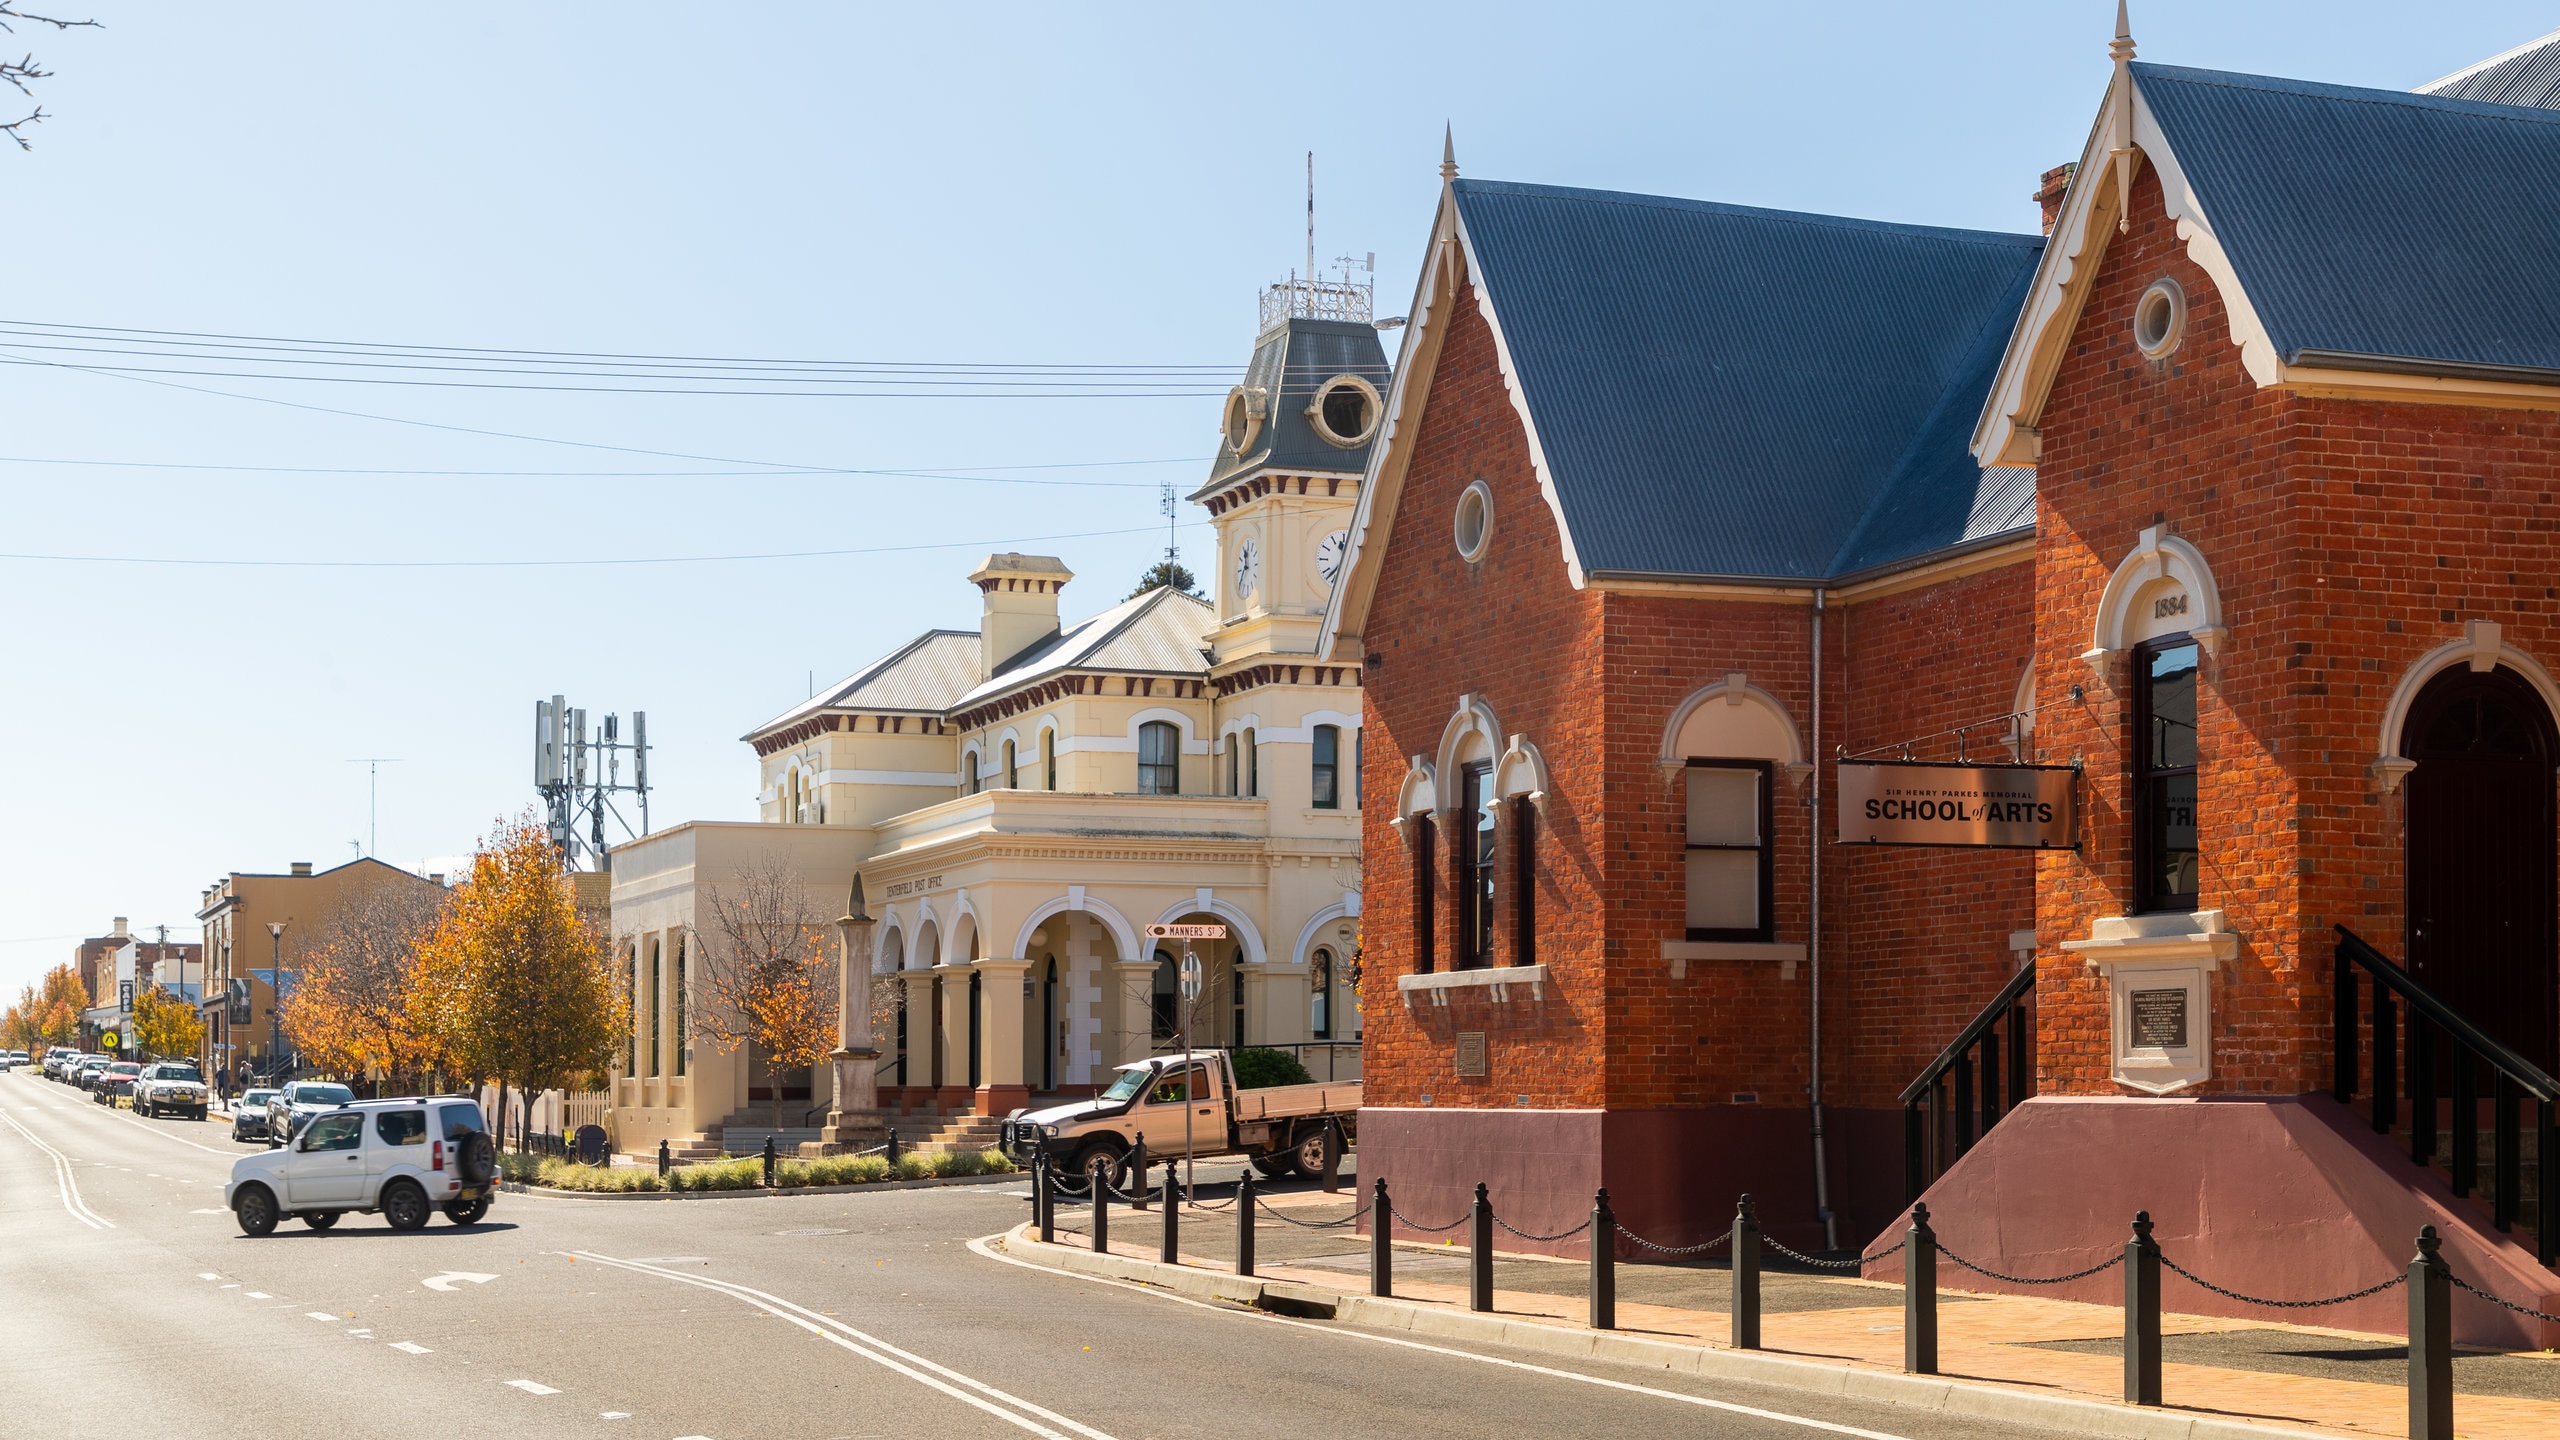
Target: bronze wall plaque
x=2158 y=1018
x=1471 y=1052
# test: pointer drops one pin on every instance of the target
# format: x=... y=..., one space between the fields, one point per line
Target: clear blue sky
x=983 y=183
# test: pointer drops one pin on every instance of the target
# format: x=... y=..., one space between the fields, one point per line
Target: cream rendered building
x=1022 y=801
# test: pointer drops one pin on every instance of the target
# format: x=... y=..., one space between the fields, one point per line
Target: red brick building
x=2238 y=494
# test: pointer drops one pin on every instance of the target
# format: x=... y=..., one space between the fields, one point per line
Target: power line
x=952 y=473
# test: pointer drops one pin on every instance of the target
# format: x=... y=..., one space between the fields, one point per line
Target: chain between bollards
x=1746 y=1275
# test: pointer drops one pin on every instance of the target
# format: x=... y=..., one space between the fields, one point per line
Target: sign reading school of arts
x=2008 y=807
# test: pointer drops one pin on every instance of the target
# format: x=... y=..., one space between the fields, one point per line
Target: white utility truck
x=1280 y=1128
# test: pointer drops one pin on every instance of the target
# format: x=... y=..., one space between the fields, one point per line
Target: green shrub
x=747 y=1172
x=1259 y=1069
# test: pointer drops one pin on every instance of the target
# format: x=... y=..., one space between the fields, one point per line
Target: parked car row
x=402 y=1159
x=12 y=1059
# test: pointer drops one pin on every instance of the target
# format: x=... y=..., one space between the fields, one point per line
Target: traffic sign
x=108 y=1040
x=1186 y=932
x=1190 y=976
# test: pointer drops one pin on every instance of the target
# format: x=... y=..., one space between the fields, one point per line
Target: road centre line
x=145 y=1125
x=63 y=1180
x=981 y=1246
x=876 y=1350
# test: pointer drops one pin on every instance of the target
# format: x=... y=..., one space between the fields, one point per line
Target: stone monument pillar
x=855 y=1121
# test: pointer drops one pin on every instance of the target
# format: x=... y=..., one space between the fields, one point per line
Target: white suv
x=169 y=1085
x=401 y=1158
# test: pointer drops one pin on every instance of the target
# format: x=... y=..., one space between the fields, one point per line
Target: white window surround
x=1420 y=792
x=1078 y=900
x=1678 y=953
x=1758 y=727
x=1471 y=734
x=1521 y=771
x=1287 y=734
x=2483 y=647
x=1497 y=982
x=2160 y=566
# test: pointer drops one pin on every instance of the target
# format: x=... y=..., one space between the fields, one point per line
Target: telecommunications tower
x=579 y=773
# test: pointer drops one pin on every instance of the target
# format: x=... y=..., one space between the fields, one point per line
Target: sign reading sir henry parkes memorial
x=1904 y=802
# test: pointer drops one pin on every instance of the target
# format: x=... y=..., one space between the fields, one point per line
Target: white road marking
x=207 y=1275
x=318 y=1315
x=64 y=1182
x=412 y=1347
x=253 y=1294
x=1729 y=1407
x=163 y=1132
x=879 y=1352
x=208 y=1212
x=613 y=1414
x=450 y=1278
x=531 y=1387
x=366 y=1332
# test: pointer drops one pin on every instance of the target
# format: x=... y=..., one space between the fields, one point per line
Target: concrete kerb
x=747 y=1192
x=1921 y=1392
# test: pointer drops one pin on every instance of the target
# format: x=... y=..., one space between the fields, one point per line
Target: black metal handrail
x=1926 y=1143
x=2414 y=1068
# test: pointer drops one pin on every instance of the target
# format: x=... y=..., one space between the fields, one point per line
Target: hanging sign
x=2000 y=807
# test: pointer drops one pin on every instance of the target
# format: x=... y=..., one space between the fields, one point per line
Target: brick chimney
x=119 y=931
x=2056 y=183
x=1020 y=608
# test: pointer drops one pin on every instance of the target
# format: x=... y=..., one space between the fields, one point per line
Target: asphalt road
x=127 y=1295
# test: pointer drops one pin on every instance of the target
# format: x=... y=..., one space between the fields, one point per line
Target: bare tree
x=768 y=972
x=19 y=72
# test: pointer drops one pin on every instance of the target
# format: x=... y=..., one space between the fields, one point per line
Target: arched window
x=1476 y=846
x=1164 y=996
x=1049 y=758
x=1012 y=776
x=1325 y=786
x=1320 y=1001
x=971 y=779
x=1159 y=758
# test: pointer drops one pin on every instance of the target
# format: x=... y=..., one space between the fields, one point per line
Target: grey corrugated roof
x=1727 y=391
x=1162 y=631
x=2375 y=227
x=1289 y=362
x=927 y=673
x=2527 y=75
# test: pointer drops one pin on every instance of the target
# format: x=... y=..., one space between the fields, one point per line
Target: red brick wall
x=2347 y=538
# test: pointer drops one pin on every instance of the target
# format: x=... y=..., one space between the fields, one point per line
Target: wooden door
x=2482 y=856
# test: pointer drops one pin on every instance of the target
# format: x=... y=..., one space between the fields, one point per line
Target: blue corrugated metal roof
x=2408 y=231
x=1727 y=391
x=2527 y=75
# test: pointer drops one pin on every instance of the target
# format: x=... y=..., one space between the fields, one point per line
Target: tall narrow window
x=1159 y=758
x=1012 y=775
x=1328 y=747
x=1359 y=754
x=1049 y=758
x=1524 y=882
x=1729 y=870
x=1476 y=848
x=1252 y=763
x=973 y=780
x=1230 y=744
x=682 y=1039
x=1426 y=862
x=2164 y=791
x=631 y=1060
x=1320 y=1001
x=656 y=998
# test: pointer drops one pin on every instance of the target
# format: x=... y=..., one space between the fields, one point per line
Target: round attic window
x=1474 y=521
x=2159 y=317
x=1242 y=421
x=1345 y=410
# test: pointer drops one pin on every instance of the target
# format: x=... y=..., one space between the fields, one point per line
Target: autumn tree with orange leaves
x=768 y=978
x=355 y=1010
x=513 y=983
x=166 y=1027
x=46 y=1014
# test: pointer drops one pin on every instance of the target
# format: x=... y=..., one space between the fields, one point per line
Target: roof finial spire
x=1448 y=152
x=2121 y=153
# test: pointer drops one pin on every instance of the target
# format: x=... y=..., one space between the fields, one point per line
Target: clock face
x=1248 y=567
x=1330 y=552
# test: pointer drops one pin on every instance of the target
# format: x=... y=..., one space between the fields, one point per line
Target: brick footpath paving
x=2273 y=1373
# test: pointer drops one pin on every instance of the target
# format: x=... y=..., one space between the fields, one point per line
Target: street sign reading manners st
x=1186 y=932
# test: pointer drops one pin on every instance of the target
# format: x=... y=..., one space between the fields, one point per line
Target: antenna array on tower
x=578 y=773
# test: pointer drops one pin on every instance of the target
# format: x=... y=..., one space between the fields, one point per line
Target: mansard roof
x=1291 y=361
x=1160 y=632
x=925 y=675
x=2527 y=75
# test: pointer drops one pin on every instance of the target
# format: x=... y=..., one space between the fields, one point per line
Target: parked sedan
x=115 y=1080
x=249 y=1114
x=84 y=1071
x=292 y=1107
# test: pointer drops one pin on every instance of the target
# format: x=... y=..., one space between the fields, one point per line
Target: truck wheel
x=256 y=1209
x=1102 y=1158
x=320 y=1219
x=404 y=1205
x=1308 y=1158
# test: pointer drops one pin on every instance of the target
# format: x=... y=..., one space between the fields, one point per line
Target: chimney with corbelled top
x=1020 y=607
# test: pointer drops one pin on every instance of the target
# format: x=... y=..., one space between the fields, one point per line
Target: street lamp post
x=275 y=993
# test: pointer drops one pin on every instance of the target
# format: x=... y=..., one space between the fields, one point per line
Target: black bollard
x=1332 y=1176
x=1920 y=1296
x=1244 y=1223
x=1746 y=1276
x=1604 y=1262
x=893 y=1152
x=1172 y=1218
x=1480 y=1253
x=1044 y=1197
x=1382 y=1275
x=1138 y=1173
x=1100 y=1175
x=768 y=1162
x=662 y=1159
x=2430 y=1341
x=2142 y=1314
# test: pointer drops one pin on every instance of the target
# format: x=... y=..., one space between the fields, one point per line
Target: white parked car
x=401 y=1158
x=170 y=1085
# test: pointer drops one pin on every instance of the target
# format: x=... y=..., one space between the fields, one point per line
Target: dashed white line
x=319 y=1315
x=533 y=1387
x=412 y=1347
x=253 y=1294
x=207 y=1275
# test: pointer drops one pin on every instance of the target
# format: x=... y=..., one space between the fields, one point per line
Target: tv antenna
x=578 y=772
x=1172 y=517
x=372 y=800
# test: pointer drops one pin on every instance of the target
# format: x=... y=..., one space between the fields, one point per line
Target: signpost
x=2000 y=807
x=1191 y=981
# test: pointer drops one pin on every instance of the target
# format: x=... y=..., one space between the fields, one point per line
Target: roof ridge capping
x=2357 y=94
x=1640 y=200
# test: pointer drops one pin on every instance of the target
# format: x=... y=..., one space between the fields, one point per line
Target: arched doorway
x=2482 y=855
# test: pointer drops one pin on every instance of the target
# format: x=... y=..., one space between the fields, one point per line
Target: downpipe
x=1813 y=832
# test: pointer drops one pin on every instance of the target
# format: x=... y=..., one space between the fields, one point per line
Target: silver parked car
x=292 y=1106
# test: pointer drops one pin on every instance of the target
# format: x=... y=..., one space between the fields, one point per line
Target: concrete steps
x=969 y=1132
x=749 y=1139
